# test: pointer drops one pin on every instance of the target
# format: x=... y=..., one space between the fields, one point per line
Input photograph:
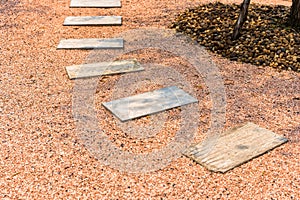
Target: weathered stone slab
x=95 y=3
x=93 y=20
x=235 y=147
x=91 y=43
x=103 y=68
x=149 y=103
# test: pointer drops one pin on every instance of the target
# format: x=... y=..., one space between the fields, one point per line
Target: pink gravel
x=41 y=156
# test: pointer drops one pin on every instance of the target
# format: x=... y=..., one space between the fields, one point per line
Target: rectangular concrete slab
x=234 y=147
x=95 y=3
x=103 y=68
x=91 y=43
x=93 y=20
x=149 y=103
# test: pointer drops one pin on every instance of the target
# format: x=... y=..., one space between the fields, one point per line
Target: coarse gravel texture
x=41 y=156
x=266 y=38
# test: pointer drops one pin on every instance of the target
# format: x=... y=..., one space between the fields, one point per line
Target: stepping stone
x=91 y=43
x=93 y=20
x=149 y=103
x=103 y=68
x=235 y=147
x=95 y=3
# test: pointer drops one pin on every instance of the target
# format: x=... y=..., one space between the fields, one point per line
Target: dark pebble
x=265 y=38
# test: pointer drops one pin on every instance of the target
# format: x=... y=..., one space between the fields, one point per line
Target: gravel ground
x=42 y=157
x=266 y=38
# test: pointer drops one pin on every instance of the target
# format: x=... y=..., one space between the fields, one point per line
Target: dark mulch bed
x=266 y=38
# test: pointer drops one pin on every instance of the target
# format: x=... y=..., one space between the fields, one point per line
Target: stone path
x=235 y=147
x=95 y=3
x=103 y=68
x=91 y=43
x=93 y=20
x=149 y=103
x=230 y=150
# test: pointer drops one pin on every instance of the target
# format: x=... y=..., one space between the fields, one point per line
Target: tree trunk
x=295 y=14
x=241 y=19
